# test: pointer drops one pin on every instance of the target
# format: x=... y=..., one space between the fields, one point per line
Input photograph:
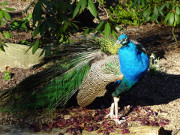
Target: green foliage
x=102 y=2
x=161 y=10
x=7 y=75
x=53 y=23
x=20 y=25
x=82 y=4
x=35 y=46
x=25 y=42
x=173 y=17
x=4 y=15
x=124 y=14
x=106 y=27
x=4 y=18
x=2 y=44
x=7 y=34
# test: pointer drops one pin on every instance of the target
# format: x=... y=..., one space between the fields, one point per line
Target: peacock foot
x=111 y=115
x=118 y=121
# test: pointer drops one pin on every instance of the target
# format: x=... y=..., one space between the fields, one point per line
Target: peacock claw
x=118 y=122
x=111 y=115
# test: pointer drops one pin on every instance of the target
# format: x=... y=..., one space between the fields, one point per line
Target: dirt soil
x=161 y=90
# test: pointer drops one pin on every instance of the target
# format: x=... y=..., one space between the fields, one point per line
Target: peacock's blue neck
x=123 y=86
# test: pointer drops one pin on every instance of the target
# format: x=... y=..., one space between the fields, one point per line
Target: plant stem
x=174 y=37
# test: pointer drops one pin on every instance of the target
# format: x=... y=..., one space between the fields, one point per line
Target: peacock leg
x=114 y=108
x=111 y=113
x=116 y=100
x=116 y=118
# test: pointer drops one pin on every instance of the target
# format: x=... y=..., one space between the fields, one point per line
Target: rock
x=15 y=55
x=176 y=132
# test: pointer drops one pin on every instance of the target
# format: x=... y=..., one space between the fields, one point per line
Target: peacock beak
x=117 y=42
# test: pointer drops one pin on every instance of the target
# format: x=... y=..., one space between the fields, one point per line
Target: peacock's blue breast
x=133 y=63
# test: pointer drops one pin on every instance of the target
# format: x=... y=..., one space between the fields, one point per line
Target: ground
x=160 y=90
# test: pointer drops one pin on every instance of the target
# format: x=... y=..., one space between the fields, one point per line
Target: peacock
x=134 y=64
x=70 y=71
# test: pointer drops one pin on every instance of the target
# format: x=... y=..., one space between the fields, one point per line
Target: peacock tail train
x=100 y=74
x=63 y=76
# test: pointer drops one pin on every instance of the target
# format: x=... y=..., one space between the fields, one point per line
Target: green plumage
x=55 y=85
x=107 y=45
x=124 y=85
x=59 y=90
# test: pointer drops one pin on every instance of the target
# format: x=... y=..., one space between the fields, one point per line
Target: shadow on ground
x=153 y=89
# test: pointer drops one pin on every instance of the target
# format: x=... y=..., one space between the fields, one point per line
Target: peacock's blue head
x=122 y=39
